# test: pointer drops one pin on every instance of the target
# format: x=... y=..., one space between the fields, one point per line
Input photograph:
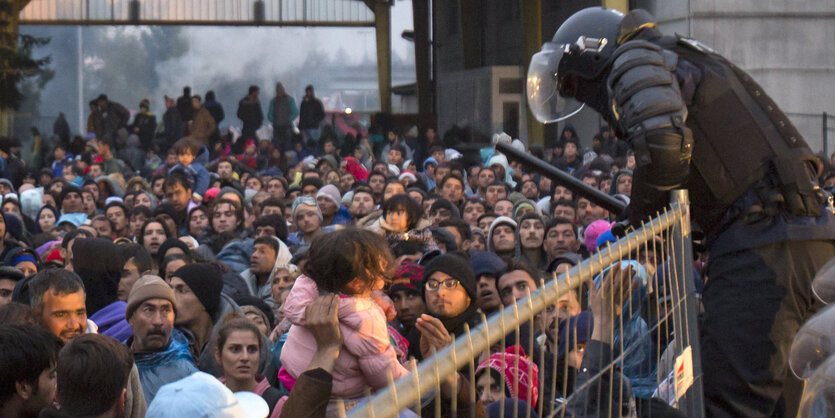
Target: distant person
x=282 y=112
x=216 y=109
x=250 y=113
x=173 y=123
x=311 y=114
x=184 y=105
x=113 y=116
x=61 y=128
x=203 y=124
x=144 y=125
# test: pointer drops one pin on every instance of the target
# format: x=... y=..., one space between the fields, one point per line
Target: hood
x=115 y=188
x=499 y=221
x=429 y=160
x=501 y=159
x=283 y=259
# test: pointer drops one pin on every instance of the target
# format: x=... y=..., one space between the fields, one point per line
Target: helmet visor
x=544 y=99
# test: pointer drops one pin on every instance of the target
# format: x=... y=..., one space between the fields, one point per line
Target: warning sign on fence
x=684 y=372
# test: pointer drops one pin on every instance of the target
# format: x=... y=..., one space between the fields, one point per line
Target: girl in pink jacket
x=352 y=263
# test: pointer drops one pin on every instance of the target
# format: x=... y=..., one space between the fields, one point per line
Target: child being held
x=352 y=263
x=187 y=150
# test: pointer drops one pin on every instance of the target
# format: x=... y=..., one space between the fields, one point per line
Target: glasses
x=434 y=285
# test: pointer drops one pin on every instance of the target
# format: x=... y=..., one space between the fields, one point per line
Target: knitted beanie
x=408 y=277
x=148 y=287
x=519 y=374
x=331 y=192
x=486 y=262
x=302 y=201
x=206 y=282
x=457 y=266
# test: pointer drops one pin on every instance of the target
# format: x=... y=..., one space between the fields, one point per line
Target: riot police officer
x=695 y=120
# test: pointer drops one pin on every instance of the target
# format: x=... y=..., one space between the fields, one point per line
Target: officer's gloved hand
x=621 y=228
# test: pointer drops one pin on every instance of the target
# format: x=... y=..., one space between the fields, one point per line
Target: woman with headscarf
x=45 y=220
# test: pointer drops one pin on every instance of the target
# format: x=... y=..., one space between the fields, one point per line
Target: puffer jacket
x=368 y=356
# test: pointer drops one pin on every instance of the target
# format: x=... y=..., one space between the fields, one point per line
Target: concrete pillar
x=420 y=16
x=531 y=12
x=382 y=24
x=469 y=14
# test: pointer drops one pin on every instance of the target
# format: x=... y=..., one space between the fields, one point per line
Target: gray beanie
x=306 y=201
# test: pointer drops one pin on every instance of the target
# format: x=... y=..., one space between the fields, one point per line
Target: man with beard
x=531 y=235
x=362 y=203
x=59 y=300
x=28 y=356
x=160 y=351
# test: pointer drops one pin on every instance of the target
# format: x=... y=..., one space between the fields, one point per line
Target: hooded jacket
x=368 y=355
x=161 y=367
x=430 y=182
x=504 y=220
x=501 y=159
x=282 y=259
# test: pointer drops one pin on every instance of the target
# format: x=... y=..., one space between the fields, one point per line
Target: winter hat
x=331 y=192
x=68 y=188
x=31 y=201
x=10 y=273
x=523 y=203
x=55 y=255
x=258 y=306
x=211 y=194
x=306 y=201
x=408 y=277
x=503 y=138
x=14 y=226
x=486 y=262
x=394 y=170
x=148 y=287
x=198 y=395
x=230 y=189
x=446 y=204
x=593 y=231
x=348 y=198
x=8 y=183
x=20 y=255
x=516 y=197
x=456 y=265
x=518 y=145
x=206 y=282
x=606 y=237
x=577 y=330
x=520 y=381
x=408 y=174
x=112 y=199
x=570 y=258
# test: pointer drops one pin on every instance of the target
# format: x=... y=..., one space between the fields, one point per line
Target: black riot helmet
x=582 y=46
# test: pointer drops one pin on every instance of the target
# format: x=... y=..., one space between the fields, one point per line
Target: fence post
x=687 y=332
x=824 y=140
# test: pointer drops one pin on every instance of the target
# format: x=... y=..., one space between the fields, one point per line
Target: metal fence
x=667 y=343
x=199 y=12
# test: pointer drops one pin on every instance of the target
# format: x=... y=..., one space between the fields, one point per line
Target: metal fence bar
x=682 y=259
x=406 y=392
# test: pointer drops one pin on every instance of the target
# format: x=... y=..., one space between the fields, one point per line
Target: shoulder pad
x=693 y=44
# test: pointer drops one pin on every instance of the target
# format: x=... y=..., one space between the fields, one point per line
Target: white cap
x=202 y=395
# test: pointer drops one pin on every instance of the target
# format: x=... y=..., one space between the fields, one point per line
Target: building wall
x=786 y=46
x=500 y=31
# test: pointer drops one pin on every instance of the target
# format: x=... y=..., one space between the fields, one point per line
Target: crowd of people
x=253 y=262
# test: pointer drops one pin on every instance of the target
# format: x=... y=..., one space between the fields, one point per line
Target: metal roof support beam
x=382 y=24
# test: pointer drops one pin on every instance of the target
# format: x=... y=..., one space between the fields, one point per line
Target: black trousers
x=755 y=301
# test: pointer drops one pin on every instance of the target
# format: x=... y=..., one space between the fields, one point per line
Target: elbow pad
x=649 y=108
